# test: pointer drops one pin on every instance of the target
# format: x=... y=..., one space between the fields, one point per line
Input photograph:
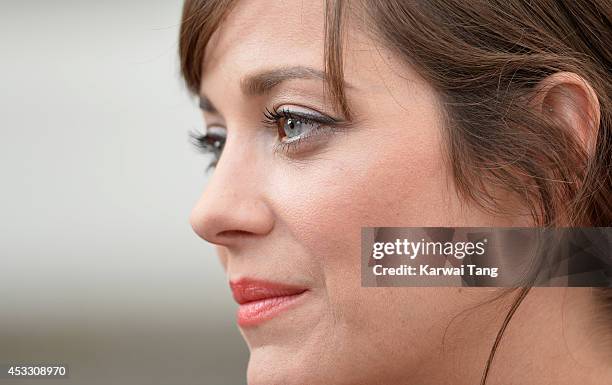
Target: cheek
x=325 y=205
x=370 y=176
x=383 y=175
x=362 y=179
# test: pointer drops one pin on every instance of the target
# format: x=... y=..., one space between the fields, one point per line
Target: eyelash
x=272 y=118
x=202 y=144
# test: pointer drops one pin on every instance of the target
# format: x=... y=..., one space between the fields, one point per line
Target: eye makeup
x=298 y=129
x=211 y=142
x=296 y=126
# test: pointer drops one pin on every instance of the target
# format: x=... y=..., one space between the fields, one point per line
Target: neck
x=555 y=337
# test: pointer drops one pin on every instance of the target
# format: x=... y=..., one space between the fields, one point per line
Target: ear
x=569 y=99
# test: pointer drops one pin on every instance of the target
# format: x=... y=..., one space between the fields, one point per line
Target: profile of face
x=295 y=183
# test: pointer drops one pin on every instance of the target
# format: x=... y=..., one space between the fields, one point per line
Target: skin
x=295 y=217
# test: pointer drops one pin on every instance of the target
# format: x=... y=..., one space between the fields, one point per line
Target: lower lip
x=255 y=312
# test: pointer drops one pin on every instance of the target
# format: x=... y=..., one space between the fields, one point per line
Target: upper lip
x=247 y=290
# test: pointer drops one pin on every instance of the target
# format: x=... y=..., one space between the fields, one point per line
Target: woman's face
x=287 y=200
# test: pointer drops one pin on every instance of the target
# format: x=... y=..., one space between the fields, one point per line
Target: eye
x=293 y=125
x=291 y=128
x=211 y=142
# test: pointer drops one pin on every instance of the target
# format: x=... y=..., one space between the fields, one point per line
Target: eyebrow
x=264 y=81
x=206 y=105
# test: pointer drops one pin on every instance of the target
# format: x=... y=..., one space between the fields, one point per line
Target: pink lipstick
x=260 y=300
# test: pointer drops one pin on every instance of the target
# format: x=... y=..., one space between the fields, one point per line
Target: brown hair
x=485 y=59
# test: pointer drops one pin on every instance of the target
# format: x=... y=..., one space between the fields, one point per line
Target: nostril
x=224 y=218
x=234 y=234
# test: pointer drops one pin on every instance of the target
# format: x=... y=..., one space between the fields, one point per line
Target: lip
x=262 y=300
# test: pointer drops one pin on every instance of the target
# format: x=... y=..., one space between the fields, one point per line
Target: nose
x=233 y=204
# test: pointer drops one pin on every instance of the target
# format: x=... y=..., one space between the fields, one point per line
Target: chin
x=271 y=366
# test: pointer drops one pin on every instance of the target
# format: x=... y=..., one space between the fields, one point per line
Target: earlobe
x=571 y=101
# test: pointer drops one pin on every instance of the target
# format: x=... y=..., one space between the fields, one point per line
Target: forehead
x=265 y=33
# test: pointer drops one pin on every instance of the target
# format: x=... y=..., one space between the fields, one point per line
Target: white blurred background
x=99 y=268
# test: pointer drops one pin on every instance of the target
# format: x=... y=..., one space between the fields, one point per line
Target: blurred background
x=99 y=267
